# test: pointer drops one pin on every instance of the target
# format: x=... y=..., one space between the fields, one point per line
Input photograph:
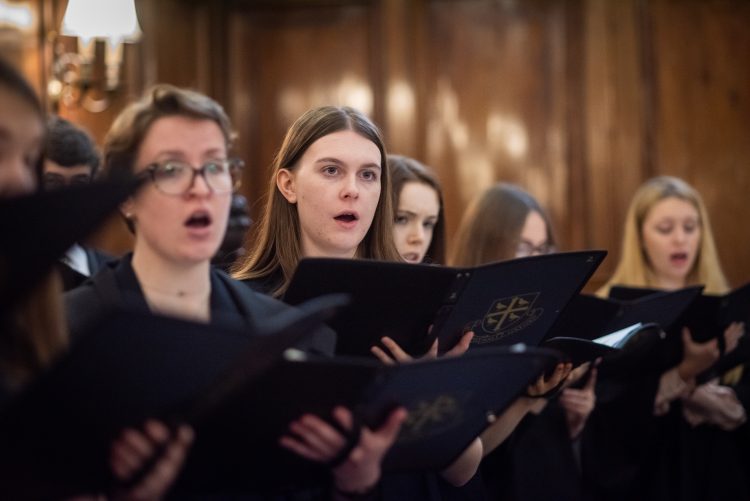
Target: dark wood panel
x=578 y=101
x=283 y=62
x=703 y=86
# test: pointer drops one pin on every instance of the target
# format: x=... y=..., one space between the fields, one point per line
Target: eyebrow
x=411 y=213
x=336 y=161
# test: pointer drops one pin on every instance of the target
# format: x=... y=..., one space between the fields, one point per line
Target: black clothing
x=117 y=285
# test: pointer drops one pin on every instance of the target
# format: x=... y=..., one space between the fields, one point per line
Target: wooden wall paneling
x=293 y=58
x=703 y=86
x=400 y=25
x=496 y=98
x=613 y=113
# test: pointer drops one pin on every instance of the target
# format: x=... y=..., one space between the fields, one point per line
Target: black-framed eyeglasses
x=173 y=177
x=526 y=249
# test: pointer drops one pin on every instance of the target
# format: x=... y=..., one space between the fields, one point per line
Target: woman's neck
x=669 y=283
x=173 y=288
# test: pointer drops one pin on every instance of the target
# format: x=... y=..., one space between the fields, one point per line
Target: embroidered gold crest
x=507 y=316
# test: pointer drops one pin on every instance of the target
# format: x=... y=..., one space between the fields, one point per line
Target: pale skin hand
x=578 y=405
x=134 y=448
x=316 y=440
x=465 y=466
x=398 y=355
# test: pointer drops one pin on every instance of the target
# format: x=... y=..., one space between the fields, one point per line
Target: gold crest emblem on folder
x=430 y=417
x=509 y=315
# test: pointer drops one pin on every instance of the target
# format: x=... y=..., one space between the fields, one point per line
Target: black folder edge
x=442 y=308
x=38 y=228
x=258 y=354
x=595 y=256
x=381 y=389
x=287 y=328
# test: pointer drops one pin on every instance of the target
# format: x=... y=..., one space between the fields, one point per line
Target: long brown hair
x=404 y=170
x=490 y=229
x=276 y=240
x=634 y=268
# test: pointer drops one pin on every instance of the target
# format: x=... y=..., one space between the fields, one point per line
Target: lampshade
x=112 y=20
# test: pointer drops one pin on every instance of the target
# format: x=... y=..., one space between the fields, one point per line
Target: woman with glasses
x=506 y=222
x=178 y=141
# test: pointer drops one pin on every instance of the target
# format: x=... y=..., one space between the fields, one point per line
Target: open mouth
x=347 y=217
x=678 y=257
x=411 y=257
x=198 y=219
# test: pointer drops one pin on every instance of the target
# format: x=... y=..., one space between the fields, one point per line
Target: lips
x=198 y=220
x=347 y=217
x=411 y=257
x=678 y=258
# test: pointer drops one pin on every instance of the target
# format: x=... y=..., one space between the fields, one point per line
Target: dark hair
x=404 y=170
x=69 y=146
x=492 y=224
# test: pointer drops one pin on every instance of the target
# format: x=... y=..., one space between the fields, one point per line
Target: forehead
x=534 y=228
x=347 y=146
x=672 y=208
x=182 y=134
x=418 y=197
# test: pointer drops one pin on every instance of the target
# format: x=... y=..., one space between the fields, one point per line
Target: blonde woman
x=668 y=244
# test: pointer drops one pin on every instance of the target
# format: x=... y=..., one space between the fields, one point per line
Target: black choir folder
x=450 y=401
x=38 y=228
x=240 y=393
x=130 y=366
x=707 y=316
x=587 y=318
x=503 y=303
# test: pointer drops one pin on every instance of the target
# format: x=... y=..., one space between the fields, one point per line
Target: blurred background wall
x=579 y=101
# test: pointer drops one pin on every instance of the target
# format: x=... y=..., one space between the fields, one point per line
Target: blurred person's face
x=21 y=133
x=416 y=216
x=534 y=238
x=186 y=227
x=56 y=176
x=671 y=235
x=336 y=187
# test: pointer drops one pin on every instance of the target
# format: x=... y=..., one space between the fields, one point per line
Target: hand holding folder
x=592 y=327
x=502 y=303
x=55 y=436
x=708 y=316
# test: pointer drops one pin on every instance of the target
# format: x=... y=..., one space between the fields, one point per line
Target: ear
x=285 y=184
x=127 y=208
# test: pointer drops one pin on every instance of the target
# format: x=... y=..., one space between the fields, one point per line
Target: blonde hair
x=634 y=268
x=491 y=227
x=276 y=240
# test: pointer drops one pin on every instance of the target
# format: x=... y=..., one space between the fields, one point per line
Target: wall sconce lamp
x=75 y=80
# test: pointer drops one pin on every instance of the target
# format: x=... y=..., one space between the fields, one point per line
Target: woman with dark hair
x=506 y=222
x=419 y=223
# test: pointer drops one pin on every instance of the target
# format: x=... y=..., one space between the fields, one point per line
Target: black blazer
x=116 y=286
